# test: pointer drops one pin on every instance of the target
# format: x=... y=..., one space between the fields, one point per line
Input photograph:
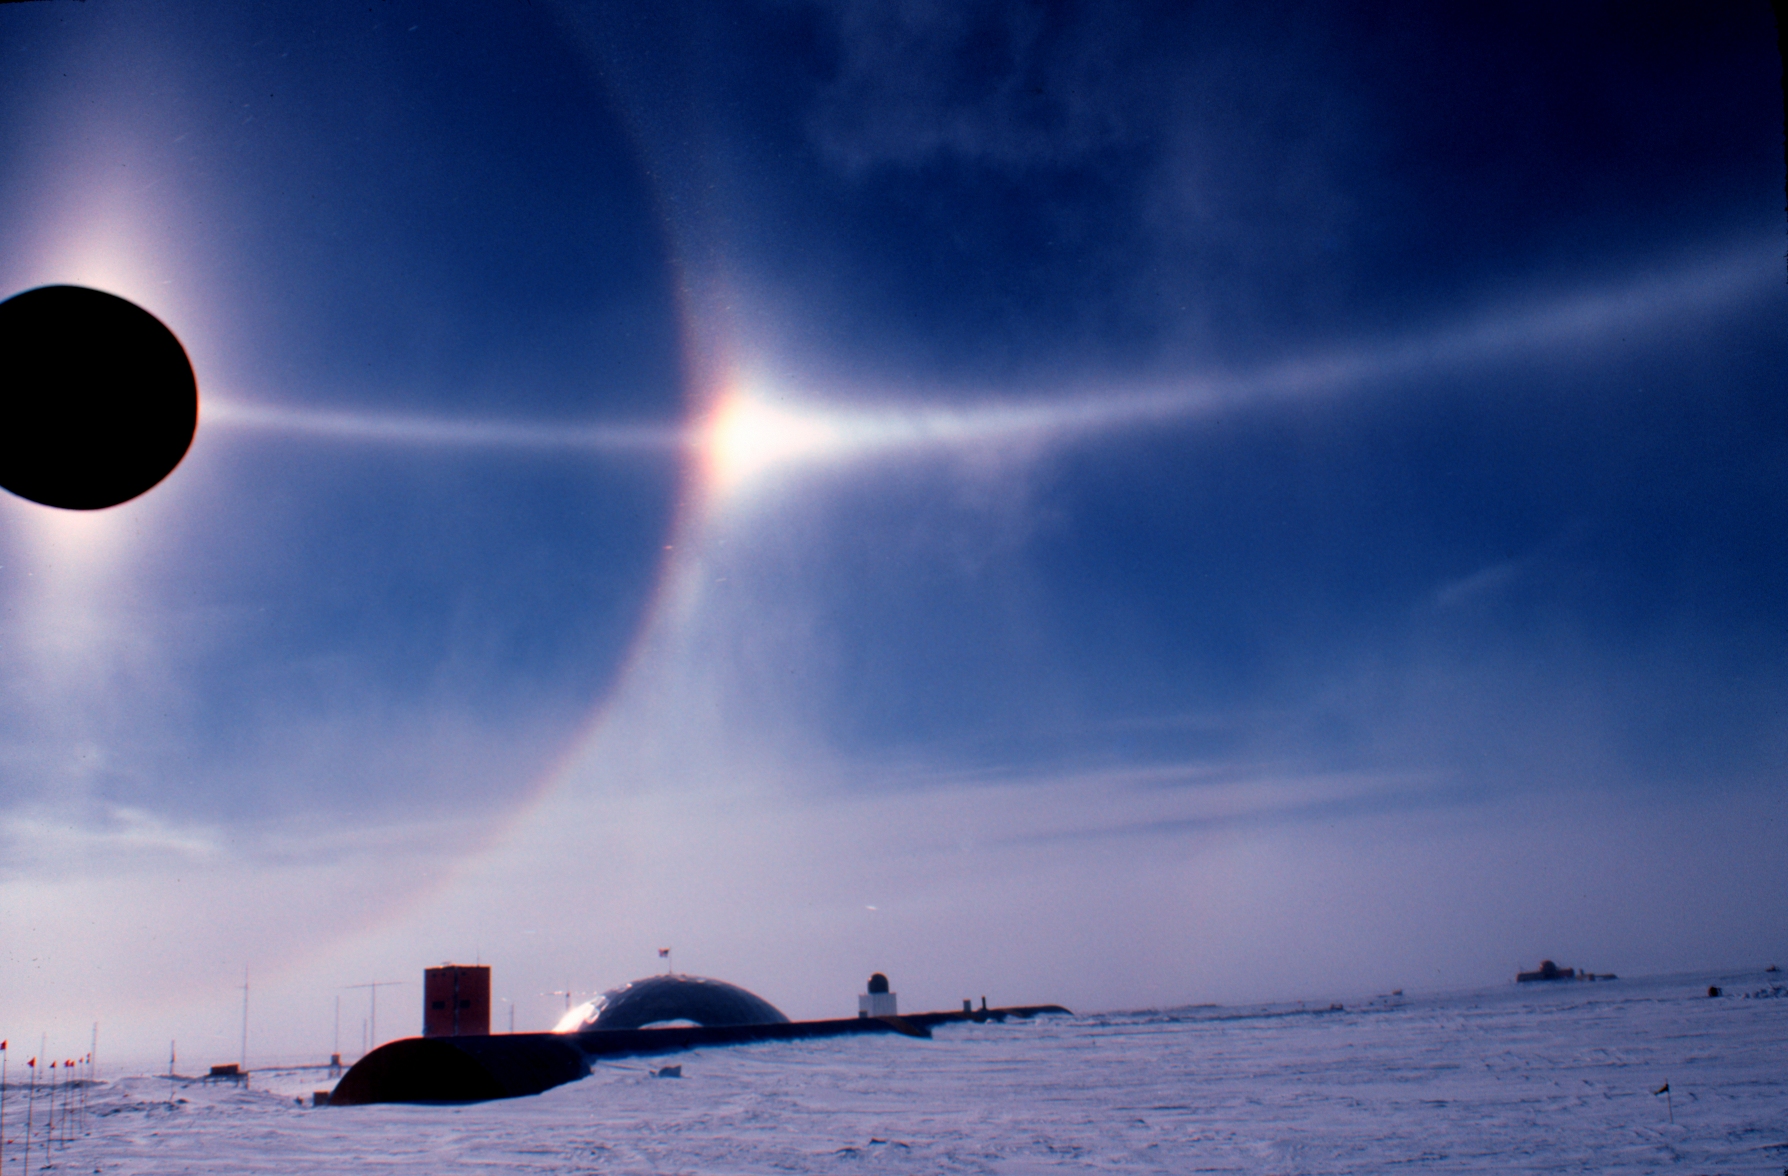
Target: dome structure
x=657 y=1000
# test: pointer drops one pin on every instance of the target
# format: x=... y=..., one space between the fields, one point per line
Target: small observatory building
x=878 y=1001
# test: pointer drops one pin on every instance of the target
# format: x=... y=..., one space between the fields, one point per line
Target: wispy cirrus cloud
x=424 y=430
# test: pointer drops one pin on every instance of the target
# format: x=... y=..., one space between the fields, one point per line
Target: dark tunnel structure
x=707 y=1012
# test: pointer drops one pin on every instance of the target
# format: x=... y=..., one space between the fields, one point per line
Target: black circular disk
x=97 y=399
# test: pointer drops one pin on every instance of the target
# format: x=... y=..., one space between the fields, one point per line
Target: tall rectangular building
x=456 y=1001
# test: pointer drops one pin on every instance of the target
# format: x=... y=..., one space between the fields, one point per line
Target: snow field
x=1552 y=1078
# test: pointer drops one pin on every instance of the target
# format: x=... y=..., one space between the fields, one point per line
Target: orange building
x=456 y=1001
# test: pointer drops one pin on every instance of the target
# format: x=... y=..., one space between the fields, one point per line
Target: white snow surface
x=1535 y=1078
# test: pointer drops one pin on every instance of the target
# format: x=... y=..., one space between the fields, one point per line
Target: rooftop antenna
x=372 y=1040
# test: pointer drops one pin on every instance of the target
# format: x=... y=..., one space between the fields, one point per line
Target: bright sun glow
x=747 y=436
x=574 y=1019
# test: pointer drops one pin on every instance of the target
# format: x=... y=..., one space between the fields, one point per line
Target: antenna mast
x=245 y=1018
x=372 y=1040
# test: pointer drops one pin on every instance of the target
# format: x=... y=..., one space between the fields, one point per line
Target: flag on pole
x=1664 y=1089
x=664 y=953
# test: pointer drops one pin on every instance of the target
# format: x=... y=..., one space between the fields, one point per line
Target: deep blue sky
x=1223 y=452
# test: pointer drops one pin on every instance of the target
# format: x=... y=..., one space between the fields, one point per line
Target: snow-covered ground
x=1533 y=1078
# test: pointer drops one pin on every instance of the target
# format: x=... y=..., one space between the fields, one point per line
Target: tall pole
x=92 y=1070
x=30 y=1111
x=372 y=1041
x=244 y=1066
x=43 y=1049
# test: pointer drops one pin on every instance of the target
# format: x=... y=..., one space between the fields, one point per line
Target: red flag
x=32 y=1063
x=2 y=1045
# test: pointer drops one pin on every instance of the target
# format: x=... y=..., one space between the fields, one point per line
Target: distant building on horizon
x=878 y=1001
x=456 y=1001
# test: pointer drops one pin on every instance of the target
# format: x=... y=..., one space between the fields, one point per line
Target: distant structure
x=1551 y=971
x=878 y=1001
x=457 y=1060
x=456 y=1001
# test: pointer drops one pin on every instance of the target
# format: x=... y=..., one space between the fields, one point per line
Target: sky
x=1125 y=506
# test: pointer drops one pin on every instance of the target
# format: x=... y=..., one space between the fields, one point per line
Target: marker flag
x=1664 y=1089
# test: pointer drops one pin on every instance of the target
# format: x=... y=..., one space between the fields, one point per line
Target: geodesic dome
x=659 y=999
